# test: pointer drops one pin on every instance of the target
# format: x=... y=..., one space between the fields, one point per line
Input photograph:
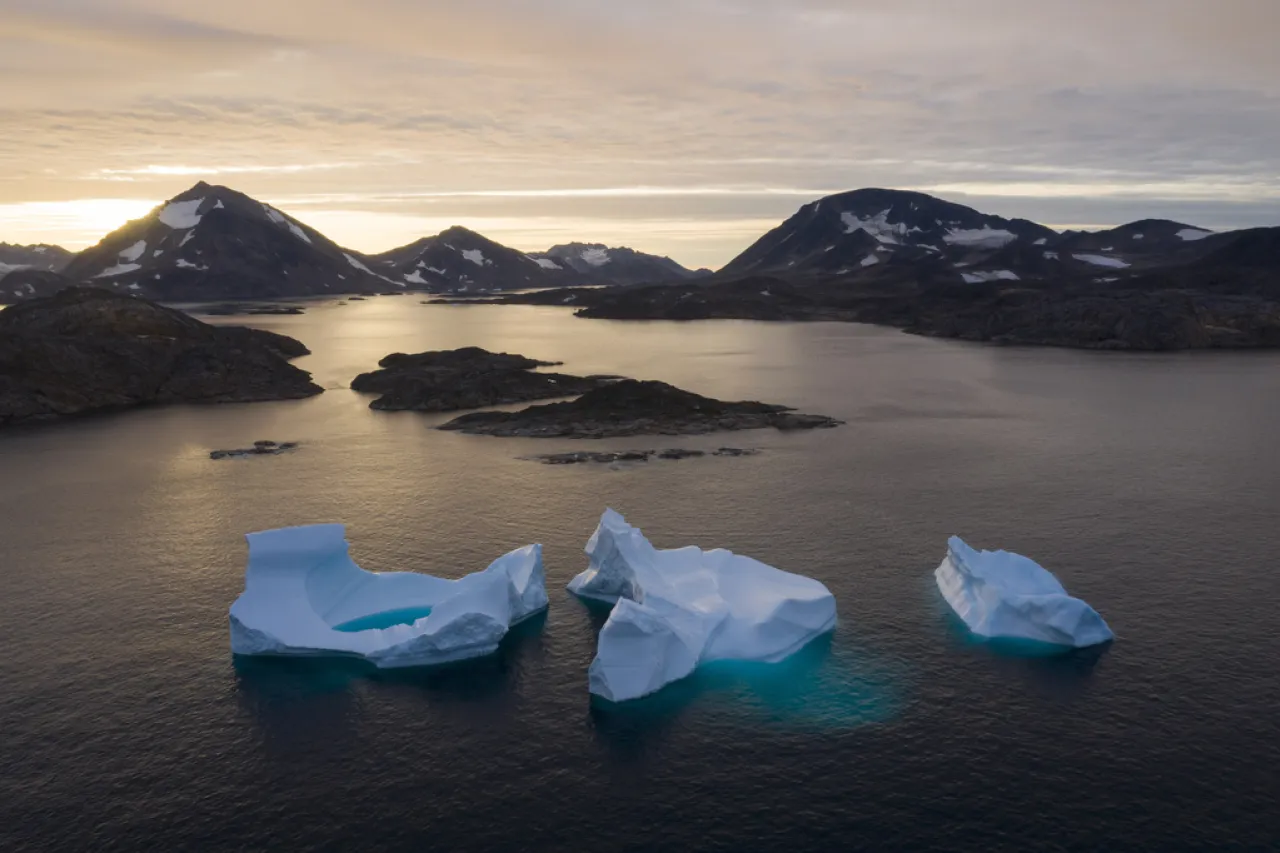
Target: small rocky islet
x=605 y=406
x=467 y=378
x=260 y=448
x=581 y=457
x=630 y=407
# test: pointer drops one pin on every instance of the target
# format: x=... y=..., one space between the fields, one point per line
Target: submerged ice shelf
x=1000 y=595
x=305 y=596
x=676 y=609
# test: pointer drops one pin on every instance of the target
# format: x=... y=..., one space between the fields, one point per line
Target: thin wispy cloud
x=693 y=111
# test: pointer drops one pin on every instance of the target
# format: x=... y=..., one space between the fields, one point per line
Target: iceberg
x=305 y=596
x=675 y=609
x=1000 y=595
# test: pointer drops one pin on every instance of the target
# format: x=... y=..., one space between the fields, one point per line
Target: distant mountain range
x=212 y=243
x=929 y=266
x=898 y=258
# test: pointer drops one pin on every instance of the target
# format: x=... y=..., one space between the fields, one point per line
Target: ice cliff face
x=1008 y=596
x=678 y=608
x=305 y=596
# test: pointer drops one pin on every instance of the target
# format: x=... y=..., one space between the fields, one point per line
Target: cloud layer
x=677 y=126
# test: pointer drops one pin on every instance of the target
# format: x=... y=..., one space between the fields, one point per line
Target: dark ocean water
x=1149 y=484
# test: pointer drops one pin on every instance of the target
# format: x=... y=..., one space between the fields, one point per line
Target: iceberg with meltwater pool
x=1001 y=595
x=305 y=596
x=676 y=609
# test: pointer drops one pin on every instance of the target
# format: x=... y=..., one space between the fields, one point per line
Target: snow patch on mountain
x=181 y=214
x=870 y=261
x=134 y=252
x=1051 y=256
x=183 y=263
x=985 y=237
x=1191 y=235
x=280 y=219
x=355 y=262
x=997 y=275
x=415 y=277
x=1102 y=261
x=118 y=269
x=547 y=263
x=476 y=257
x=597 y=256
x=877 y=226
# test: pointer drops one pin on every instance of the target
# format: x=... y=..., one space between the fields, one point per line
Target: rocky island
x=467 y=378
x=632 y=407
x=87 y=349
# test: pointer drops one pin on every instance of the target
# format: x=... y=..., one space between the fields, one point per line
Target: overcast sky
x=683 y=127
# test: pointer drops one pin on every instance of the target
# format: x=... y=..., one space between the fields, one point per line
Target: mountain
x=38 y=257
x=212 y=242
x=596 y=263
x=460 y=260
x=918 y=263
x=860 y=230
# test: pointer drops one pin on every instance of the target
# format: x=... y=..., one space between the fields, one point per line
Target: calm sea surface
x=1149 y=483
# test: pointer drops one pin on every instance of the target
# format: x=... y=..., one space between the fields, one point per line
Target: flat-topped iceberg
x=678 y=608
x=305 y=596
x=1000 y=595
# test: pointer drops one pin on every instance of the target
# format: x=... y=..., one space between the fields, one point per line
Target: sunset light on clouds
x=679 y=128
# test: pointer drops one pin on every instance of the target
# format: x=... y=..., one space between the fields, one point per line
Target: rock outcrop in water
x=468 y=378
x=632 y=407
x=86 y=349
x=580 y=457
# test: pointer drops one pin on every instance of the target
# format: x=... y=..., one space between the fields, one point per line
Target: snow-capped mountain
x=38 y=257
x=596 y=263
x=460 y=260
x=863 y=229
x=211 y=242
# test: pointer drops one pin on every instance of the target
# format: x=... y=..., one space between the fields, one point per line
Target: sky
x=681 y=127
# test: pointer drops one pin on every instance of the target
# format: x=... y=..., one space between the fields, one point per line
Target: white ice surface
x=301 y=583
x=678 y=608
x=181 y=214
x=1102 y=261
x=1003 y=595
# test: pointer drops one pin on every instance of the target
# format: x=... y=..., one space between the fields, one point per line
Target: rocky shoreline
x=1147 y=314
x=87 y=350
